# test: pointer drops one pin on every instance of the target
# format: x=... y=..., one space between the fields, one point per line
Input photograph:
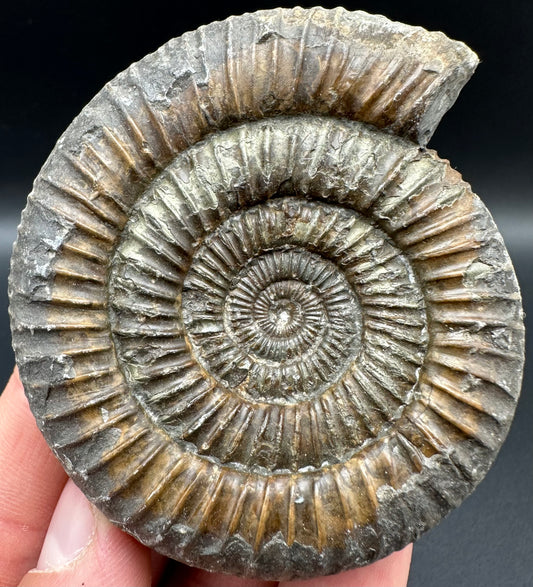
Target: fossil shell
x=262 y=327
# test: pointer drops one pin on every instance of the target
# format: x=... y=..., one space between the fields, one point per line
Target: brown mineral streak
x=223 y=205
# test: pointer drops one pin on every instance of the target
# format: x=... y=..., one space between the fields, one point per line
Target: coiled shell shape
x=263 y=328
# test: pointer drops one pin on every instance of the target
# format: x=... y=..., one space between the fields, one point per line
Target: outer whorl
x=263 y=328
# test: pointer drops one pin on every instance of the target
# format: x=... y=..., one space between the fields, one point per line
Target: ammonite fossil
x=263 y=328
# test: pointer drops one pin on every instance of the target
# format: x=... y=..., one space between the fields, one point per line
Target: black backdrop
x=54 y=56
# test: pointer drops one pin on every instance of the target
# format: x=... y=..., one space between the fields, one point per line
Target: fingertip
x=391 y=571
x=83 y=547
x=159 y=563
x=71 y=530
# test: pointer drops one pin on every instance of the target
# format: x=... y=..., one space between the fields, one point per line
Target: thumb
x=82 y=548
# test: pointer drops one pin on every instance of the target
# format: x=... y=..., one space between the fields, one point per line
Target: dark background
x=54 y=56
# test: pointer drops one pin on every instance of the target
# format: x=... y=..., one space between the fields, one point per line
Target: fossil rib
x=263 y=328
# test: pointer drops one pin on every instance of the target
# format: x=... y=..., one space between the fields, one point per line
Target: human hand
x=51 y=536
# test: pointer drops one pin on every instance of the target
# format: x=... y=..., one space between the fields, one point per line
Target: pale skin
x=50 y=536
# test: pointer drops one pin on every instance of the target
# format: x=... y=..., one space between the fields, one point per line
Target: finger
x=199 y=578
x=30 y=484
x=159 y=564
x=391 y=571
x=82 y=548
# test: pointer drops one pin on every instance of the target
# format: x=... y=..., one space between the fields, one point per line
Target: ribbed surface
x=287 y=347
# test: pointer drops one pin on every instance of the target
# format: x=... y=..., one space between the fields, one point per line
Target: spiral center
x=282 y=325
x=284 y=317
x=281 y=321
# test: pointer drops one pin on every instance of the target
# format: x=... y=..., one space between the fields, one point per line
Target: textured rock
x=263 y=328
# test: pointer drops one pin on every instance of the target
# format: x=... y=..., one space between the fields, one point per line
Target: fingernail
x=71 y=529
